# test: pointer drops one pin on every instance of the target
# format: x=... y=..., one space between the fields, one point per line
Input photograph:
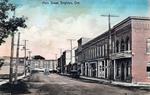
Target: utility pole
x=71 y=41
x=61 y=64
x=56 y=56
x=12 y=53
x=109 y=44
x=25 y=51
x=29 y=63
x=17 y=58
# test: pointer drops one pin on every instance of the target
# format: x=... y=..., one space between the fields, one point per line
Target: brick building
x=129 y=55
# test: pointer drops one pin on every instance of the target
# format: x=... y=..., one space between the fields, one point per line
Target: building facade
x=43 y=64
x=129 y=57
x=65 y=61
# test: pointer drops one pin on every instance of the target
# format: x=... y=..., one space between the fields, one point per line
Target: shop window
x=102 y=65
x=148 y=69
x=100 y=68
x=117 y=66
x=128 y=69
x=148 y=45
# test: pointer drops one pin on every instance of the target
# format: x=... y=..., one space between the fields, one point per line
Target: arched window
x=122 y=45
x=127 y=44
x=117 y=46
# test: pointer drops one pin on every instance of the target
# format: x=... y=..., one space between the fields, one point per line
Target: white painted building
x=49 y=64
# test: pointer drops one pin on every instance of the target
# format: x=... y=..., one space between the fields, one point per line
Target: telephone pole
x=12 y=52
x=109 y=16
x=71 y=41
x=17 y=58
x=61 y=64
x=25 y=51
x=29 y=63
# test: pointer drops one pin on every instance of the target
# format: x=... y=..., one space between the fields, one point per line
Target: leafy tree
x=8 y=25
x=36 y=57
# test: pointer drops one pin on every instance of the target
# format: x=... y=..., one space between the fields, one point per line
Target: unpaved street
x=54 y=84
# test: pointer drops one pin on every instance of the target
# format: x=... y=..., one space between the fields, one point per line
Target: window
x=97 y=51
x=102 y=65
x=106 y=49
x=118 y=70
x=117 y=46
x=127 y=44
x=128 y=69
x=100 y=68
x=122 y=45
x=148 y=45
x=113 y=47
x=94 y=52
x=100 y=51
x=103 y=50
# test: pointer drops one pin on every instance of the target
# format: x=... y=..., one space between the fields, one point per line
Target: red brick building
x=130 y=53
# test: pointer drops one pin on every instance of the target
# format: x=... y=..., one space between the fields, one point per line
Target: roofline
x=120 y=23
x=131 y=18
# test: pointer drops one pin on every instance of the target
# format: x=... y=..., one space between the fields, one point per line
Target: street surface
x=54 y=84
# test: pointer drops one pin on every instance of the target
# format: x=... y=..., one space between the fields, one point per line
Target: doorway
x=122 y=72
x=93 y=70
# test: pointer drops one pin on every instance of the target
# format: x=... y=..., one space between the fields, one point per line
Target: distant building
x=130 y=53
x=43 y=64
x=65 y=60
x=7 y=60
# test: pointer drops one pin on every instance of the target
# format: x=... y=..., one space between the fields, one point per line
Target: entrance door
x=112 y=71
x=122 y=72
x=87 y=70
x=93 y=68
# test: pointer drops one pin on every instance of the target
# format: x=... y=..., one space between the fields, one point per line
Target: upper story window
x=100 y=51
x=122 y=45
x=127 y=42
x=106 y=48
x=117 y=46
x=103 y=50
x=113 y=46
x=148 y=45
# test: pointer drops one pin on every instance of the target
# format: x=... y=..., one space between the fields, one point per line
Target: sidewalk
x=7 y=80
x=115 y=83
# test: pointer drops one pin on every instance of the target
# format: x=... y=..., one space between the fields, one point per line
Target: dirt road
x=54 y=84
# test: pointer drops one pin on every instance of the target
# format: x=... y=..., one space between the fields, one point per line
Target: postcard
x=74 y=47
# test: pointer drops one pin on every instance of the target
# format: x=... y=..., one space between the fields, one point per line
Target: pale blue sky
x=94 y=6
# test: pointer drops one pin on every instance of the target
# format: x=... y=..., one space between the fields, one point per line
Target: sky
x=51 y=25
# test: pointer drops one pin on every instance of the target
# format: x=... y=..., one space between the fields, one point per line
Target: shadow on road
x=14 y=89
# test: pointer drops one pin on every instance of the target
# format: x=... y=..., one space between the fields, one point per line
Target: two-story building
x=129 y=57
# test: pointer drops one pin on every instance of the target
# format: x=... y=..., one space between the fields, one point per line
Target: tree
x=36 y=57
x=8 y=25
